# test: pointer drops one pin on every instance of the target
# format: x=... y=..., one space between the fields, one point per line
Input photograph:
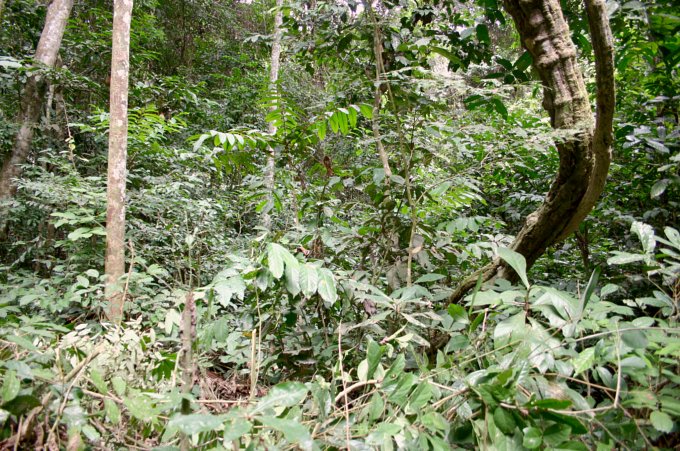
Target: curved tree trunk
x=584 y=146
x=31 y=103
x=118 y=134
x=270 y=169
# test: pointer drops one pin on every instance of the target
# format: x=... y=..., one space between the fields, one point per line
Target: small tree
x=46 y=54
x=270 y=169
x=118 y=131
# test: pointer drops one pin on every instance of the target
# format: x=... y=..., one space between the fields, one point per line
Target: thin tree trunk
x=377 y=98
x=31 y=103
x=270 y=169
x=584 y=146
x=118 y=129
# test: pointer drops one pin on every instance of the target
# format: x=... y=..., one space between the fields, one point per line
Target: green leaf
x=403 y=387
x=285 y=394
x=659 y=187
x=504 y=420
x=430 y=278
x=590 y=289
x=376 y=406
x=532 y=438
x=294 y=432
x=557 y=404
x=309 y=279
x=275 y=259
x=513 y=325
x=635 y=339
x=373 y=355
x=21 y=404
x=327 y=289
x=141 y=407
x=483 y=34
x=10 y=386
x=237 y=429
x=645 y=233
x=584 y=361
x=661 y=421
x=420 y=397
x=366 y=110
x=112 y=411
x=194 y=423
x=516 y=261
x=118 y=385
x=98 y=381
x=623 y=258
x=556 y=434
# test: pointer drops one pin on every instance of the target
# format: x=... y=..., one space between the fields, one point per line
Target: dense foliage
x=332 y=330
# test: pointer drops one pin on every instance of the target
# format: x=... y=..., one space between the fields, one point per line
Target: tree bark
x=118 y=130
x=270 y=168
x=377 y=97
x=584 y=146
x=31 y=103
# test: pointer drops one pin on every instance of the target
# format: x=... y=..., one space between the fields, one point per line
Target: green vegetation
x=316 y=311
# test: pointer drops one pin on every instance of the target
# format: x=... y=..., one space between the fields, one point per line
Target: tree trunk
x=118 y=129
x=270 y=169
x=380 y=78
x=31 y=103
x=584 y=146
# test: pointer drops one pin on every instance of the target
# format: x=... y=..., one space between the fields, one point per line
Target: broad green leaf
x=516 y=261
x=635 y=339
x=309 y=279
x=98 y=381
x=195 y=423
x=504 y=420
x=294 y=432
x=237 y=429
x=645 y=233
x=293 y=279
x=373 y=354
x=112 y=411
x=285 y=394
x=141 y=407
x=400 y=391
x=376 y=406
x=10 y=386
x=557 y=404
x=513 y=325
x=275 y=259
x=659 y=187
x=366 y=110
x=532 y=438
x=622 y=258
x=556 y=434
x=584 y=361
x=430 y=278
x=590 y=289
x=118 y=385
x=327 y=289
x=661 y=421
x=420 y=396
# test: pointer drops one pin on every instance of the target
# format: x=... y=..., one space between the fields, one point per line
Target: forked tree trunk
x=584 y=145
x=118 y=130
x=270 y=168
x=31 y=102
